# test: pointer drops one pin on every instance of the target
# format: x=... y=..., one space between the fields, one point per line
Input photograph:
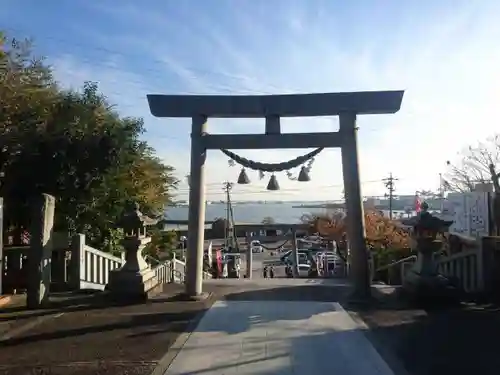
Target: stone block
x=127 y=285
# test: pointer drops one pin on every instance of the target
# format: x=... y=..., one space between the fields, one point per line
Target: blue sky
x=443 y=53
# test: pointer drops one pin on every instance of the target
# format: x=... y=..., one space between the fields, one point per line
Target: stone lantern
x=423 y=280
x=135 y=278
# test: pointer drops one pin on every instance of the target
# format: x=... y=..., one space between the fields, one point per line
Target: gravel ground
x=90 y=339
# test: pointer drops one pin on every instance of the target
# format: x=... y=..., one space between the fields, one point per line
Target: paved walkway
x=277 y=337
x=257 y=327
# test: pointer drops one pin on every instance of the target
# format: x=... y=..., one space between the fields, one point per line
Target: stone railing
x=393 y=273
x=89 y=267
x=179 y=270
x=78 y=266
x=171 y=271
x=458 y=243
x=463 y=261
x=475 y=268
x=466 y=268
x=163 y=272
x=14 y=265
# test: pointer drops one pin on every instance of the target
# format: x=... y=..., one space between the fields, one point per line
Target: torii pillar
x=272 y=107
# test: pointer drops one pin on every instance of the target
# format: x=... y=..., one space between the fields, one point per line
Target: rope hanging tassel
x=271 y=167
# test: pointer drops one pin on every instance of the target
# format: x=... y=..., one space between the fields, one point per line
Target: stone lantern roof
x=133 y=219
x=427 y=222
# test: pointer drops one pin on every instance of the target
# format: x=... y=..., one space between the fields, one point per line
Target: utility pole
x=227 y=186
x=389 y=184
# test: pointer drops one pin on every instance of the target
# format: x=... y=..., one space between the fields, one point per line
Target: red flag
x=418 y=204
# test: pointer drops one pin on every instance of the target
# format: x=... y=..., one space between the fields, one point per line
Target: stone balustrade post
x=172 y=269
x=77 y=261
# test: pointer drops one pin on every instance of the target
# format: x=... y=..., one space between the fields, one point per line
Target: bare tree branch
x=474 y=165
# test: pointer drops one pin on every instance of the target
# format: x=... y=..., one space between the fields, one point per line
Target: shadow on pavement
x=455 y=340
x=170 y=322
x=84 y=301
x=228 y=323
x=312 y=292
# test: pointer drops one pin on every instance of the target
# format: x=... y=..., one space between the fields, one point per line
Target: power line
x=389 y=184
x=264 y=191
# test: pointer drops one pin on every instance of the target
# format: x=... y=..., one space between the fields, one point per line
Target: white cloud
x=447 y=64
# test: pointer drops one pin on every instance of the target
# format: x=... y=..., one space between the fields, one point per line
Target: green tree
x=162 y=245
x=75 y=146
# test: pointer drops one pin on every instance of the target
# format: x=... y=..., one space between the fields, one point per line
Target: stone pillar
x=295 y=254
x=40 y=253
x=249 y=256
x=356 y=233
x=196 y=216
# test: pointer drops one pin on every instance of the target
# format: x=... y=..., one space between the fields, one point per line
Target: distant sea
x=250 y=212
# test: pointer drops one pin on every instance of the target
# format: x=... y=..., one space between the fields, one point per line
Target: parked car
x=304 y=270
x=256 y=247
x=304 y=258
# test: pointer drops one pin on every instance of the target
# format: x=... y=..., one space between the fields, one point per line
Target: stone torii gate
x=346 y=105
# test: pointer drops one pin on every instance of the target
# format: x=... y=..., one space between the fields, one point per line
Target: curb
x=5 y=300
x=172 y=352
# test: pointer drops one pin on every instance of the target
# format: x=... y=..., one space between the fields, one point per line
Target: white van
x=256 y=247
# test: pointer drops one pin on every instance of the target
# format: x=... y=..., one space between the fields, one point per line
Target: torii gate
x=346 y=105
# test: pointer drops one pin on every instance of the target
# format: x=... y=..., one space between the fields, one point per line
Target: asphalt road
x=259 y=259
x=262 y=259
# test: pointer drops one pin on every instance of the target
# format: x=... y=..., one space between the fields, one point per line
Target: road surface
x=261 y=259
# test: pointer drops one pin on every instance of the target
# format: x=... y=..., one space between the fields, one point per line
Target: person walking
x=271 y=272
x=265 y=272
